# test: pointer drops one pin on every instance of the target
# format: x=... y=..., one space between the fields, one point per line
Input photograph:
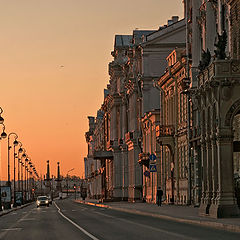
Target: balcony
x=109 y=144
x=143 y=159
x=165 y=135
x=102 y=155
x=220 y=70
x=128 y=136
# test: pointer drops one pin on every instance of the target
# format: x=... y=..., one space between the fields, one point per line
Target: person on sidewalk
x=159 y=196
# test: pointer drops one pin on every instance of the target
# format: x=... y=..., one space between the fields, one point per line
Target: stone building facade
x=173 y=92
x=172 y=133
x=155 y=50
x=214 y=100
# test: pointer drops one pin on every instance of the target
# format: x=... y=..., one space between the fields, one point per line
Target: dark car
x=42 y=201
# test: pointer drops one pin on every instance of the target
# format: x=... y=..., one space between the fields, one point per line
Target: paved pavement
x=7 y=211
x=184 y=214
x=69 y=220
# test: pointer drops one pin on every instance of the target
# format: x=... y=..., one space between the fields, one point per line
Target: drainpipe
x=188 y=111
x=163 y=171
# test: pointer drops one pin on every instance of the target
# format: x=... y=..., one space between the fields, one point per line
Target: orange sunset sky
x=45 y=104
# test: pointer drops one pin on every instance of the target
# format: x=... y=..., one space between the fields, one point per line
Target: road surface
x=68 y=220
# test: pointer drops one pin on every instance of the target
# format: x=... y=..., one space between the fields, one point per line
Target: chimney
x=175 y=19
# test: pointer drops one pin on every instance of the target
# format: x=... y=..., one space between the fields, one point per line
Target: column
x=214 y=170
x=203 y=209
x=209 y=171
x=225 y=203
x=114 y=122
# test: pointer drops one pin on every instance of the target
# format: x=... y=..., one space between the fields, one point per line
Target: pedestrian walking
x=159 y=196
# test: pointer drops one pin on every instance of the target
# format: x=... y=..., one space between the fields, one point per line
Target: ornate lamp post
x=3 y=135
x=21 y=174
x=15 y=143
x=19 y=160
x=29 y=177
x=26 y=176
x=20 y=151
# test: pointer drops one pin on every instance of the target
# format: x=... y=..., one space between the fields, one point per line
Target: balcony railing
x=128 y=136
x=165 y=131
x=219 y=70
x=109 y=144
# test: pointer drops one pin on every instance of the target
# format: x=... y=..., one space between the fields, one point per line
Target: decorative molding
x=231 y=112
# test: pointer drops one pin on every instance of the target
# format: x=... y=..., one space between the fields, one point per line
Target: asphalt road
x=69 y=221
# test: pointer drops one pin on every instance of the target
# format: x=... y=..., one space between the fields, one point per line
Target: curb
x=14 y=209
x=221 y=226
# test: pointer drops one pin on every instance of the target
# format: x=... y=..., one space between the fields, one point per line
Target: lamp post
x=3 y=135
x=67 y=178
x=25 y=179
x=20 y=150
x=22 y=165
x=30 y=179
x=20 y=170
x=15 y=143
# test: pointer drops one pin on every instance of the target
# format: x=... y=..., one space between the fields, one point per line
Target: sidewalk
x=4 y=212
x=183 y=214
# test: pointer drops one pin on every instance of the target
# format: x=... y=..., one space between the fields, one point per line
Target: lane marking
x=152 y=228
x=74 y=210
x=11 y=229
x=27 y=219
x=73 y=223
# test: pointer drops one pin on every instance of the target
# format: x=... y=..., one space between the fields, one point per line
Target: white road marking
x=14 y=213
x=27 y=219
x=74 y=210
x=73 y=223
x=178 y=236
x=11 y=229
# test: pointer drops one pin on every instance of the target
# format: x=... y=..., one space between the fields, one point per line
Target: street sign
x=153 y=168
x=152 y=157
x=146 y=174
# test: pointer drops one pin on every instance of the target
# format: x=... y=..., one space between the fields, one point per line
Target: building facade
x=173 y=93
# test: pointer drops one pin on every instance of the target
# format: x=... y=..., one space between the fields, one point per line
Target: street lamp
x=15 y=143
x=3 y=135
x=22 y=165
x=20 y=151
x=67 y=178
x=27 y=159
x=30 y=178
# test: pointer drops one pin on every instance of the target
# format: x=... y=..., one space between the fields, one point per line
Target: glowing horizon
x=54 y=68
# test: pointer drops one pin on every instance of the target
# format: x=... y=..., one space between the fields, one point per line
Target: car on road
x=42 y=201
